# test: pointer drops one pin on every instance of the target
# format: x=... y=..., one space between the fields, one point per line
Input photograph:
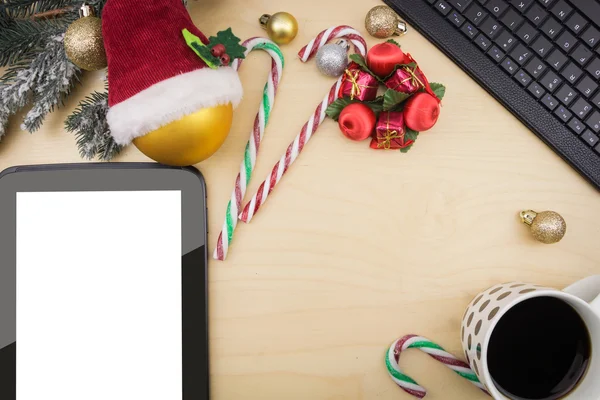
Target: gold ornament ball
x=190 y=140
x=547 y=227
x=382 y=22
x=84 y=44
x=281 y=27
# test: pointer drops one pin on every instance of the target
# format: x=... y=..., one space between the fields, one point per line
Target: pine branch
x=88 y=122
x=55 y=79
x=48 y=71
x=26 y=8
x=23 y=39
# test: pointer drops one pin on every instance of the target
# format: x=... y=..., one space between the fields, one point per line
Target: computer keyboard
x=539 y=58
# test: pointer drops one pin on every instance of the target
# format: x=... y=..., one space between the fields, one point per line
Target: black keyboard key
x=542 y=46
x=551 y=27
x=590 y=138
x=571 y=72
x=536 y=89
x=576 y=23
x=521 y=5
x=590 y=8
x=483 y=42
x=536 y=14
x=505 y=41
x=594 y=121
x=475 y=14
x=581 y=54
x=581 y=108
x=561 y=10
x=566 y=42
x=527 y=32
x=509 y=65
x=490 y=27
x=496 y=7
x=443 y=7
x=496 y=53
x=576 y=126
x=587 y=86
x=469 y=30
x=591 y=36
x=551 y=81
x=512 y=20
x=566 y=94
x=522 y=77
x=460 y=5
x=547 y=3
x=562 y=113
x=557 y=60
x=535 y=67
x=596 y=100
x=550 y=102
x=594 y=68
x=456 y=18
x=520 y=54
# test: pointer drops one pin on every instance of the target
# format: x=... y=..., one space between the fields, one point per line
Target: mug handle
x=587 y=289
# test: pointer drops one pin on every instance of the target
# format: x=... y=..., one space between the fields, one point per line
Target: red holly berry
x=218 y=50
x=225 y=59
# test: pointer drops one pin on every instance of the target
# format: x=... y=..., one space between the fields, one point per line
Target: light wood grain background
x=357 y=247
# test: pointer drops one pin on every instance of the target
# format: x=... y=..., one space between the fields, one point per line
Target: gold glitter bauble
x=190 y=139
x=546 y=227
x=281 y=27
x=382 y=22
x=84 y=44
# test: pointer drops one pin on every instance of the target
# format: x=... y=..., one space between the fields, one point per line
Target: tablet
x=103 y=285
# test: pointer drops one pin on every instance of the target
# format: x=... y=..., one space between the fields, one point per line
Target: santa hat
x=154 y=77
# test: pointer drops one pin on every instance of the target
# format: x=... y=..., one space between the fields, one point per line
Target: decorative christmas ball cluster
x=409 y=104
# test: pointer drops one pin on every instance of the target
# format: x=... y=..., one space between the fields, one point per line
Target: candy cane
x=308 y=130
x=334 y=32
x=261 y=120
x=434 y=350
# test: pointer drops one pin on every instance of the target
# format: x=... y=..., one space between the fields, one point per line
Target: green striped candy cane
x=408 y=384
x=258 y=131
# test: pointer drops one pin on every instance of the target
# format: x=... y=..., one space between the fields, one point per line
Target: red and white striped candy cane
x=311 y=126
x=335 y=32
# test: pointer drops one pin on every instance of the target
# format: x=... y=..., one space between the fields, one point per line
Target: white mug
x=489 y=306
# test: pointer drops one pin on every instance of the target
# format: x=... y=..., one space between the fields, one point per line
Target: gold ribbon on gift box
x=413 y=78
x=356 y=87
x=389 y=136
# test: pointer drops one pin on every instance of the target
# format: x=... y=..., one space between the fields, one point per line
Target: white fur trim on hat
x=171 y=100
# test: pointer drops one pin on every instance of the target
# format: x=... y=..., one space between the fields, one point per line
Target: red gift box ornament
x=407 y=79
x=390 y=132
x=358 y=84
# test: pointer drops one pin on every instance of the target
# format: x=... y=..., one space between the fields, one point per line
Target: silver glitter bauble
x=332 y=59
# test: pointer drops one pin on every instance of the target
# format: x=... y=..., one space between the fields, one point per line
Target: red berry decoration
x=225 y=59
x=383 y=58
x=218 y=50
x=357 y=121
x=421 y=112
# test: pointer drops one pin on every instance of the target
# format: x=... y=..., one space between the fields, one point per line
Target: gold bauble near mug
x=83 y=41
x=189 y=140
x=282 y=27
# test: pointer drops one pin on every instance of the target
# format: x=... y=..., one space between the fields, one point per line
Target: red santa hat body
x=154 y=78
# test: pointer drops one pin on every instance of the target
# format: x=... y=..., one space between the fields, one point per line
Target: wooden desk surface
x=357 y=247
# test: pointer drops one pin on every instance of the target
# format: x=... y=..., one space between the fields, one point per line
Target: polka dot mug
x=490 y=306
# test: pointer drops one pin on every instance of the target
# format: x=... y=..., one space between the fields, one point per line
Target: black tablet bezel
x=117 y=177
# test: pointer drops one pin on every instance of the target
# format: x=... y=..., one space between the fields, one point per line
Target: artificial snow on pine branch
x=47 y=80
x=89 y=124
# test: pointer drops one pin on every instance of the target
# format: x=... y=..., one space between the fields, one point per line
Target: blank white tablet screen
x=99 y=296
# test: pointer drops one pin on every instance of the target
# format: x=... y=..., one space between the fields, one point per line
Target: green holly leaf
x=392 y=41
x=407 y=148
x=201 y=49
x=438 y=89
x=392 y=99
x=357 y=58
x=411 y=134
x=335 y=108
x=231 y=42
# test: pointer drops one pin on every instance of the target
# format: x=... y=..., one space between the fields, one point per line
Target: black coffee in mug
x=539 y=350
